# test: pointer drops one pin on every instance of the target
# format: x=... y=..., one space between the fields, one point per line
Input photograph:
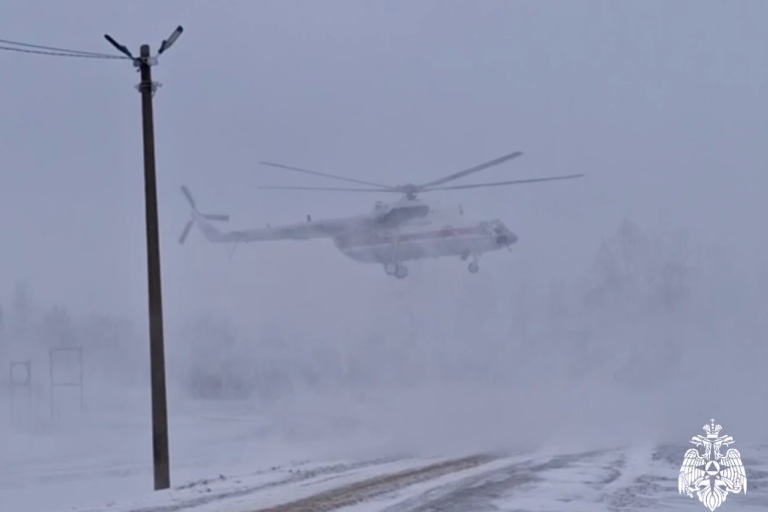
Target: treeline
x=29 y=329
x=647 y=311
x=648 y=305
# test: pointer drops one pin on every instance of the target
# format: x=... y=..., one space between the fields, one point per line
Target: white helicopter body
x=392 y=233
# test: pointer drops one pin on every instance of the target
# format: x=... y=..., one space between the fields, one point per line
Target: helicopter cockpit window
x=419 y=211
x=405 y=213
x=497 y=226
x=491 y=225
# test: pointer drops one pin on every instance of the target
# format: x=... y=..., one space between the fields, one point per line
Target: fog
x=631 y=310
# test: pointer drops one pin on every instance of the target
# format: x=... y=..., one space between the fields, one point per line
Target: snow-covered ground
x=624 y=479
x=94 y=458
x=232 y=457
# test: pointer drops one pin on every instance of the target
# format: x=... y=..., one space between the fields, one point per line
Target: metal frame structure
x=15 y=383
x=54 y=383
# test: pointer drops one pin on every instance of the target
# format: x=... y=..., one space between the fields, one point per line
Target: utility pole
x=160 y=455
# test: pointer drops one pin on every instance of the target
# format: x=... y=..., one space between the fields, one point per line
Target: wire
x=61 y=54
x=51 y=48
x=54 y=51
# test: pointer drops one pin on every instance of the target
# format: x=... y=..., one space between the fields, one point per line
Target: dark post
x=156 y=342
x=147 y=88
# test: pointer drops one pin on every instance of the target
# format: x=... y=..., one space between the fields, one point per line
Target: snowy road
x=612 y=480
x=223 y=462
x=620 y=480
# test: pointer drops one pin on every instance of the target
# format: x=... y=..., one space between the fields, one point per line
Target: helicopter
x=392 y=233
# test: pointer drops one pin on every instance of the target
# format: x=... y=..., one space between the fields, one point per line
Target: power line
x=52 y=48
x=16 y=46
x=60 y=54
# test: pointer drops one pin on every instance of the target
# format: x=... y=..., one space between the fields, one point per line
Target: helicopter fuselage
x=426 y=237
x=405 y=230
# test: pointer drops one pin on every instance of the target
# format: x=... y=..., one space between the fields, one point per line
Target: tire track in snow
x=477 y=493
x=365 y=490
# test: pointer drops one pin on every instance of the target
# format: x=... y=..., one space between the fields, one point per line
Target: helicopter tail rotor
x=196 y=215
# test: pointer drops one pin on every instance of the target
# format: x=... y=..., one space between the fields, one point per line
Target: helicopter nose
x=508 y=238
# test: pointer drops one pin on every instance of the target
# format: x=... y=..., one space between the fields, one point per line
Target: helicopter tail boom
x=323 y=228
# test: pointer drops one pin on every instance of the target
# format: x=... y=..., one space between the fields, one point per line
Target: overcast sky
x=662 y=104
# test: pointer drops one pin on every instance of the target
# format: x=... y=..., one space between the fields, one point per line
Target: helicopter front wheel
x=474 y=267
x=396 y=269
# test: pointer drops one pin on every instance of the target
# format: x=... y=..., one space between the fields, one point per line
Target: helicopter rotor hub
x=410 y=190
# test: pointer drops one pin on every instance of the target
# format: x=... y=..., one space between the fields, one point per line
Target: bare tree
x=674 y=272
x=22 y=312
x=642 y=285
x=618 y=269
x=212 y=365
x=56 y=328
x=114 y=347
x=558 y=305
x=522 y=314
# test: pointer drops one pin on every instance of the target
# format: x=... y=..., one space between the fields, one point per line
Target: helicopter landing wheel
x=401 y=272
x=390 y=268
x=474 y=267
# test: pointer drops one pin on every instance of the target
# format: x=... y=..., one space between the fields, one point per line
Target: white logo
x=712 y=475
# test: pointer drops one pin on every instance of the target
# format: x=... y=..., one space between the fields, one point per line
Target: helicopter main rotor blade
x=316 y=173
x=500 y=183
x=471 y=170
x=335 y=189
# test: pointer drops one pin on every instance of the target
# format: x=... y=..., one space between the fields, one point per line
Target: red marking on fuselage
x=379 y=238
